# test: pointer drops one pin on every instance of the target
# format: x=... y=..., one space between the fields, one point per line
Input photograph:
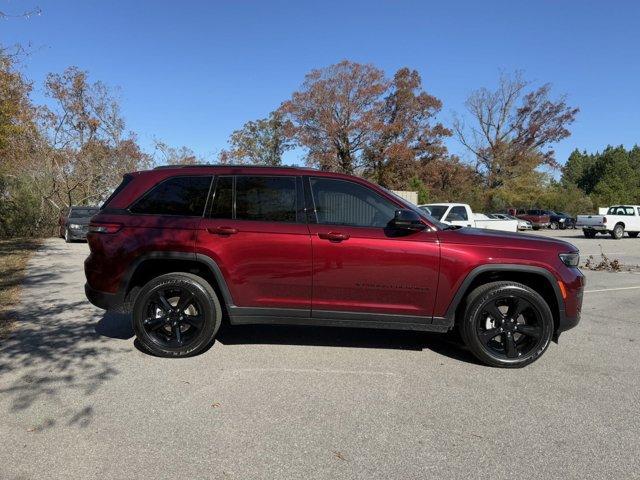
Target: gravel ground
x=78 y=400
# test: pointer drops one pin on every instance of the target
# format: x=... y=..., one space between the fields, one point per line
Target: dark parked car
x=181 y=248
x=560 y=220
x=74 y=225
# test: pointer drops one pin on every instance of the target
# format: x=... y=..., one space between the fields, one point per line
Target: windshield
x=82 y=212
x=419 y=210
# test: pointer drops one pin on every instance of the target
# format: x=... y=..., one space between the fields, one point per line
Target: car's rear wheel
x=589 y=233
x=633 y=234
x=176 y=315
x=617 y=232
x=506 y=324
x=554 y=226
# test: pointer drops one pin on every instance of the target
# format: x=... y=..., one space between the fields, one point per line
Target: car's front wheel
x=176 y=315
x=506 y=324
x=554 y=226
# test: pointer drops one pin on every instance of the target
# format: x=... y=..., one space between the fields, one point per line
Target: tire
x=510 y=347
x=554 y=226
x=67 y=237
x=618 y=232
x=165 y=330
x=589 y=233
x=633 y=234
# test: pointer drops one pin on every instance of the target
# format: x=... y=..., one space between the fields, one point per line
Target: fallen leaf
x=215 y=404
x=340 y=456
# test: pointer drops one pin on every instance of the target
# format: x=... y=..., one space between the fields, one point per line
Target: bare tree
x=513 y=132
x=166 y=155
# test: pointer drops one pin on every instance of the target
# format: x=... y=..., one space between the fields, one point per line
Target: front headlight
x=75 y=226
x=570 y=259
x=562 y=220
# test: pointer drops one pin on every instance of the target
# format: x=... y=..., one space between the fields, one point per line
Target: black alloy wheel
x=176 y=314
x=507 y=324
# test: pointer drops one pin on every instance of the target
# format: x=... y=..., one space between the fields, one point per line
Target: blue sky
x=190 y=72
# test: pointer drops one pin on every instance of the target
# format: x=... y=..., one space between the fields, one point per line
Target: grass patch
x=14 y=255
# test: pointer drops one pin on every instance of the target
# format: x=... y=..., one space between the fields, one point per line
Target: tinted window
x=458 y=213
x=176 y=196
x=271 y=199
x=340 y=202
x=222 y=205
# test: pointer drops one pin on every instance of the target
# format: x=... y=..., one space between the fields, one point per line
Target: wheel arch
x=537 y=278
x=153 y=264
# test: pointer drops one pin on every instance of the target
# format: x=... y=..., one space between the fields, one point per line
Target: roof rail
x=209 y=165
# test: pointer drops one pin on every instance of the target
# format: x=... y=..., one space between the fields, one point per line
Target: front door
x=256 y=233
x=361 y=265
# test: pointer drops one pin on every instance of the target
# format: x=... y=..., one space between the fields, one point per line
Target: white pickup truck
x=617 y=220
x=460 y=214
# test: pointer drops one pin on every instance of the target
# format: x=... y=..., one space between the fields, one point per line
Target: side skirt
x=286 y=316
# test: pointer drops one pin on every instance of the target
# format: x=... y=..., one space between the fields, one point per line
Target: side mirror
x=407 y=220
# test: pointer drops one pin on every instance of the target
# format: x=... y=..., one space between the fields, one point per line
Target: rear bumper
x=104 y=300
x=597 y=228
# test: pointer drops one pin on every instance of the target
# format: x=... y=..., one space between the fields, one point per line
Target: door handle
x=222 y=230
x=334 y=236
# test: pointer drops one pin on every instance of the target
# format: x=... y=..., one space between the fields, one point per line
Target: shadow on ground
x=54 y=349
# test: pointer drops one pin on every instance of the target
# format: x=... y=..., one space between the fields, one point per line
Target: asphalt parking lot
x=79 y=400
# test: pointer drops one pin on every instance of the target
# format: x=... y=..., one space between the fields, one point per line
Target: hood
x=481 y=236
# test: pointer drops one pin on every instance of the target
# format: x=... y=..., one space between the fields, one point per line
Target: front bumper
x=78 y=233
x=540 y=224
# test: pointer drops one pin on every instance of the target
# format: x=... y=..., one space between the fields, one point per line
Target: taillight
x=104 y=227
x=604 y=219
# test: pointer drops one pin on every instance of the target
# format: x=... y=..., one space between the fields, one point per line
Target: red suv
x=184 y=247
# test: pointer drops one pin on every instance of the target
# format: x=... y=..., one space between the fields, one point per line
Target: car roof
x=232 y=169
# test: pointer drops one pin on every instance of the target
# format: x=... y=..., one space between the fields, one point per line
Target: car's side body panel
x=270 y=272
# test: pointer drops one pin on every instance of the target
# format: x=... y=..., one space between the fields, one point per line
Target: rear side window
x=184 y=196
x=222 y=205
x=270 y=199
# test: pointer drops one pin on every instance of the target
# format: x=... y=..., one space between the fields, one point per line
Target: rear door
x=256 y=232
x=360 y=266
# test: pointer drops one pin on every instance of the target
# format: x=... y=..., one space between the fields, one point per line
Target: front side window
x=184 y=196
x=270 y=199
x=341 y=202
x=457 y=214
